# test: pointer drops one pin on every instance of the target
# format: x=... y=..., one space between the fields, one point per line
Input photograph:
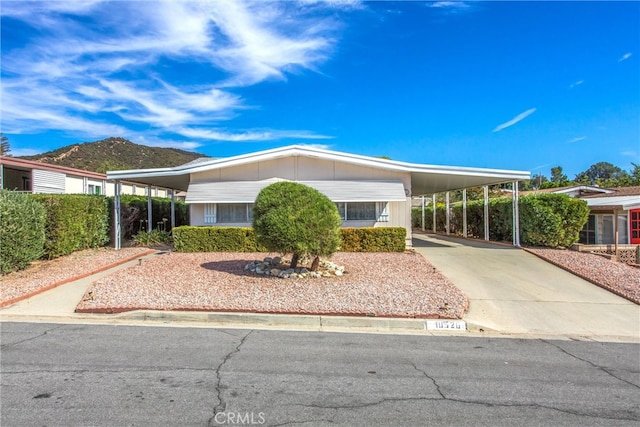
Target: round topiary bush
x=22 y=235
x=292 y=218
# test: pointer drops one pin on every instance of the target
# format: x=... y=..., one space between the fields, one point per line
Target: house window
x=227 y=213
x=588 y=232
x=363 y=211
x=607 y=230
x=93 y=189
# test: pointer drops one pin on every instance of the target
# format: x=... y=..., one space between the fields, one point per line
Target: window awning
x=337 y=191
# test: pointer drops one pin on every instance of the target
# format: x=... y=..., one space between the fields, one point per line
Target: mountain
x=114 y=154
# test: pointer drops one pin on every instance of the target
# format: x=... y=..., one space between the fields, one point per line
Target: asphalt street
x=81 y=375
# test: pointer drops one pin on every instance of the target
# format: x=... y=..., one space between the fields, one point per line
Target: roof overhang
x=425 y=179
x=613 y=203
x=337 y=191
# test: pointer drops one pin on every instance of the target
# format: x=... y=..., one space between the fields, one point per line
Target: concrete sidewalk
x=515 y=292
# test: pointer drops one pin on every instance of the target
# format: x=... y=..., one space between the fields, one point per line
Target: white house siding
x=74 y=184
x=300 y=169
x=304 y=169
x=48 y=182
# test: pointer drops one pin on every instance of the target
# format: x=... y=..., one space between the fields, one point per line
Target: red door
x=635 y=227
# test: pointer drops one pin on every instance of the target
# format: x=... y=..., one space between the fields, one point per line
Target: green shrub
x=215 y=239
x=546 y=219
x=152 y=238
x=73 y=222
x=240 y=239
x=553 y=220
x=292 y=218
x=370 y=239
x=22 y=231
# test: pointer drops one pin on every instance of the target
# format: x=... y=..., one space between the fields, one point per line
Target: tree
x=537 y=181
x=635 y=174
x=4 y=145
x=290 y=217
x=558 y=177
x=601 y=173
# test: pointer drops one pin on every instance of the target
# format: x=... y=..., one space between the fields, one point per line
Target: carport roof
x=425 y=179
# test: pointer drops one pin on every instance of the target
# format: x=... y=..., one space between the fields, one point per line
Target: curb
x=261 y=321
x=74 y=278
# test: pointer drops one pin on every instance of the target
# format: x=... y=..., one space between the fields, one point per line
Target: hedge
x=239 y=239
x=547 y=219
x=22 y=235
x=215 y=239
x=369 y=239
x=73 y=222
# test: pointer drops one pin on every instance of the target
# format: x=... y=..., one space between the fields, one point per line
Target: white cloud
x=625 y=57
x=105 y=79
x=629 y=153
x=574 y=84
x=515 y=120
x=449 y=5
x=577 y=139
x=253 y=135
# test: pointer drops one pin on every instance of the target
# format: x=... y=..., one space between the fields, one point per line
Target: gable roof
x=618 y=192
x=581 y=191
x=426 y=179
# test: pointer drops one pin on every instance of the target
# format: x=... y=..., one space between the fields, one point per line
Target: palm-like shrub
x=292 y=218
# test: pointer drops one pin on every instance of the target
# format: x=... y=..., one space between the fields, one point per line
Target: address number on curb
x=446 y=325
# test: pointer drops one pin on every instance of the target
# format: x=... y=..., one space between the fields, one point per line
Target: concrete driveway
x=513 y=291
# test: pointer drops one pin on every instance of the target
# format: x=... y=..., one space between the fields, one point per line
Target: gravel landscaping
x=617 y=277
x=374 y=284
x=48 y=274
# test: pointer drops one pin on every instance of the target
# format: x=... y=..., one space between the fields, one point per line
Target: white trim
x=423 y=176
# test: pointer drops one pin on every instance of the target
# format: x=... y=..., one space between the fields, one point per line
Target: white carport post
x=117 y=232
x=422 y=200
x=448 y=213
x=486 y=212
x=616 y=232
x=149 y=210
x=516 y=216
x=173 y=210
x=433 y=200
x=464 y=213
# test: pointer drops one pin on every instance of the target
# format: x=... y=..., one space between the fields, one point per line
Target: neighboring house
x=37 y=177
x=608 y=207
x=368 y=191
x=619 y=206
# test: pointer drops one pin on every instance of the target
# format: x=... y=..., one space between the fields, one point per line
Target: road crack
x=443 y=397
x=221 y=403
x=5 y=346
x=601 y=368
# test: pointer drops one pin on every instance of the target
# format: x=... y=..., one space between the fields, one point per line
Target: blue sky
x=507 y=85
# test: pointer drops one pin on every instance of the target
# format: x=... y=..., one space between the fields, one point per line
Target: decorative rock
x=274 y=267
